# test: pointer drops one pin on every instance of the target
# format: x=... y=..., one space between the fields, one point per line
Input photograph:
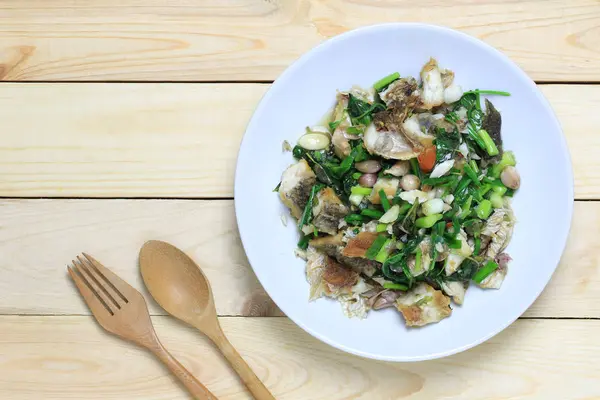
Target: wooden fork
x=122 y=310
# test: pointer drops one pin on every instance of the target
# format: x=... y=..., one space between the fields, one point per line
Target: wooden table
x=120 y=121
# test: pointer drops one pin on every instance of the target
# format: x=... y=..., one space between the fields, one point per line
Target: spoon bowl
x=176 y=282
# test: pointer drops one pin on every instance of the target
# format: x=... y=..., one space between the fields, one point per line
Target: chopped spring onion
x=484 y=209
x=499 y=189
x=428 y=221
x=395 y=286
x=375 y=214
x=508 y=158
x=489 y=145
x=490 y=92
x=375 y=247
x=496 y=200
x=361 y=190
x=418 y=262
x=414 y=164
x=473 y=165
x=390 y=215
x=466 y=208
x=385 y=81
x=485 y=271
x=385 y=203
x=484 y=189
x=384 y=253
x=355 y=219
x=471 y=174
x=307 y=213
x=303 y=243
x=381 y=228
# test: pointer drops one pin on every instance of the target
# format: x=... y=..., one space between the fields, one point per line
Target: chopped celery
x=385 y=203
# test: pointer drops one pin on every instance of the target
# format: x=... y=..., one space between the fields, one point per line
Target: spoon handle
x=254 y=385
x=193 y=385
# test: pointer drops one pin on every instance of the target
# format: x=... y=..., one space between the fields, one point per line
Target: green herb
x=375 y=247
x=395 y=286
x=385 y=203
x=356 y=175
x=454 y=243
x=353 y=130
x=375 y=214
x=277 y=187
x=385 y=81
x=333 y=125
x=446 y=143
x=485 y=271
x=298 y=152
x=360 y=111
x=490 y=92
x=510 y=192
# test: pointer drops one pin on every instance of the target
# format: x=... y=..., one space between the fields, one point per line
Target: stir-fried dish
x=403 y=199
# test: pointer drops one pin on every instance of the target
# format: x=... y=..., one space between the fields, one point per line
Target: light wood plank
x=552 y=40
x=60 y=358
x=39 y=237
x=179 y=140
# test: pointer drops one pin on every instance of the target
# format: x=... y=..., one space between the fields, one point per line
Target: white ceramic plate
x=301 y=96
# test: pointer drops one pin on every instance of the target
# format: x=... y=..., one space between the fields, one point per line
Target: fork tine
x=85 y=270
x=120 y=287
x=94 y=301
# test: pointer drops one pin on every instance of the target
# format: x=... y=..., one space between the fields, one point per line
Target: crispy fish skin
x=296 y=183
x=423 y=305
x=328 y=211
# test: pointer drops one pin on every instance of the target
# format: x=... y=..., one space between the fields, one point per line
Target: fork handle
x=193 y=385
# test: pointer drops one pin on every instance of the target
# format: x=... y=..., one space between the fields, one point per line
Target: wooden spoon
x=180 y=287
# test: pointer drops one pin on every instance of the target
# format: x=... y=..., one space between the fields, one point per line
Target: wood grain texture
x=63 y=358
x=552 y=40
x=179 y=140
x=39 y=237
